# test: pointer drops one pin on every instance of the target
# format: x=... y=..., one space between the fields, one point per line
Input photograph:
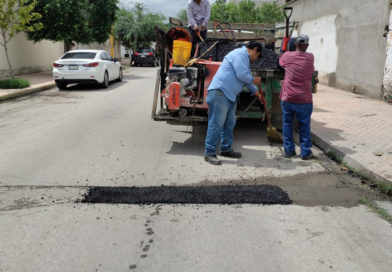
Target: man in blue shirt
x=232 y=76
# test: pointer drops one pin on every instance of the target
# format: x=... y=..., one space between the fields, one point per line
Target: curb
x=352 y=163
x=27 y=91
x=39 y=88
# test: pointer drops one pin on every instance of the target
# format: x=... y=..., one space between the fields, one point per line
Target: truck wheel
x=182 y=112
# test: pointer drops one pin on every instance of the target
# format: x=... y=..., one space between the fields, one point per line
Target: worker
x=296 y=96
x=199 y=12
x=227 y=84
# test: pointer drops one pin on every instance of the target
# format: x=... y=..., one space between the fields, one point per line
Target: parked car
x=86 y=66
x=145 y=55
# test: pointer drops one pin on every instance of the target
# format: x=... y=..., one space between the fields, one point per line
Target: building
x=346 y=38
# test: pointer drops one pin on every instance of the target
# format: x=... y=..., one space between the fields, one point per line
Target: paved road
x=56 y=143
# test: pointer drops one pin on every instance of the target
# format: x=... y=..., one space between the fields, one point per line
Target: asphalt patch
x=257 y=194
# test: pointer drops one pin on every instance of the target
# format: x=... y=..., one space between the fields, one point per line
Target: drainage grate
x=258 y=194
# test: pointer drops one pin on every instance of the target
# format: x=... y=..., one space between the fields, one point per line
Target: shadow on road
x=93 y=87
x=249 y=138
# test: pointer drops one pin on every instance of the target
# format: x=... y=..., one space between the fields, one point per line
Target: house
x=346 y=38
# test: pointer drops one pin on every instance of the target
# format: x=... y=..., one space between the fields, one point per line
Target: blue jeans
x=221 y=122
x=303 y=113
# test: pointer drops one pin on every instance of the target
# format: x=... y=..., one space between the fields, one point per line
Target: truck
x=183 y=92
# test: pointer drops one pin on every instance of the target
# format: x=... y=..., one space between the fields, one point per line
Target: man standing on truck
x=227 y=84
x=198 y=12
x=296 y=96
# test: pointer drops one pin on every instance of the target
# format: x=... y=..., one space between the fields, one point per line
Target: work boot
x=212 y=159
x=289 y=156
x=311 y=156
x=231 y=154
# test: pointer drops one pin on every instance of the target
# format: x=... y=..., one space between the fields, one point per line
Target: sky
x=166 y=7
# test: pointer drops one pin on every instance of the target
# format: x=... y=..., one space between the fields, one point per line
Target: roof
x=85 y=50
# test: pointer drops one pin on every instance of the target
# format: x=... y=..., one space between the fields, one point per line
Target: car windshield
x=144 y=50
x=79 y=55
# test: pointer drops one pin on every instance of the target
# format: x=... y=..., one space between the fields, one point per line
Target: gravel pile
x=257 y=194
x=269 y=61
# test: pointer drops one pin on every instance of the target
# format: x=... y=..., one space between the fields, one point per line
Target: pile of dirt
x=259 y=194
x=269 y=60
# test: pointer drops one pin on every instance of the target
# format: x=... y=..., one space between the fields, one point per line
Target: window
x=103 y=56
x=143 y=50
x=108 y=56
x=79 y=55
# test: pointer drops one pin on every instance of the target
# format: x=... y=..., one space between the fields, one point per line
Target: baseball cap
x=254 y=44
x=302 y=39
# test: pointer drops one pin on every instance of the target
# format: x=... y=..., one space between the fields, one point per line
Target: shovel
x=193 y=61
x=198 y=34
x=272 y=134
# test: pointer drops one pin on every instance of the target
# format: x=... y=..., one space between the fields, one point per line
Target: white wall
x=322 y=43
x=27 y=57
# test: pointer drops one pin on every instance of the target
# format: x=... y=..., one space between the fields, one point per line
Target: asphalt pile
x=269 y=60
x=257 y=194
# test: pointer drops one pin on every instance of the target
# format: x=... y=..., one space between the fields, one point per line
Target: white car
x=86 y=66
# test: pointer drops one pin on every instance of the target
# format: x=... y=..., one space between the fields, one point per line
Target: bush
x=19 y=83
x=126 y=55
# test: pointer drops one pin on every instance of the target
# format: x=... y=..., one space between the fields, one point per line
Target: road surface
x=56 y=144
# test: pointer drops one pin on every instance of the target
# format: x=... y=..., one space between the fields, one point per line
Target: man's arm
x=242 y=71
x=191 y=18
x=207 y=16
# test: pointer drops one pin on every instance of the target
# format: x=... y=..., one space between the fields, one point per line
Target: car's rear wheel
x=153 y=63
x=61 y=86
x=120 y=77
x=105 y=83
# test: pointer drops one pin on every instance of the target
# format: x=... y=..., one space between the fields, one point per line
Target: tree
x=269 y=13
x=15 y=17
x=81 y=21
x=136 y=27
x=182 y=15
x=246 y=12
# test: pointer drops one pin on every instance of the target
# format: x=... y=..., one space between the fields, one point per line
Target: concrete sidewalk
x=354 y=127
x=38 y=82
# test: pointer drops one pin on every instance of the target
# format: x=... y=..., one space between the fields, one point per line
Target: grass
x=14 y=83
x=386 y=188
x=375 y=208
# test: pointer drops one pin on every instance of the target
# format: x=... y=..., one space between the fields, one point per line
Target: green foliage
x=246 y=12
x=81 y=21
x=269 y=13
x=182 y=15
x=17 y=16
x=14 y=83
x=375 y=208
x=136 y=27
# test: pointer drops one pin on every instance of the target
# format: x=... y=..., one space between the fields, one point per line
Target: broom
x=272 y=133
x=193 y=61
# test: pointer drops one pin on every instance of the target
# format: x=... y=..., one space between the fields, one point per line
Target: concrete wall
x=27 y=57
x=106 y=46
x=346 y=39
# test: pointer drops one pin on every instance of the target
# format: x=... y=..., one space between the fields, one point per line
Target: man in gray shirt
x=199 y=12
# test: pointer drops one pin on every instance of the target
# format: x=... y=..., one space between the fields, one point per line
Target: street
x=55 y=144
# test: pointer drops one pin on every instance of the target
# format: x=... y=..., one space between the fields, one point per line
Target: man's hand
x=257 y=81
x=202 y=27
x=258 y=95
